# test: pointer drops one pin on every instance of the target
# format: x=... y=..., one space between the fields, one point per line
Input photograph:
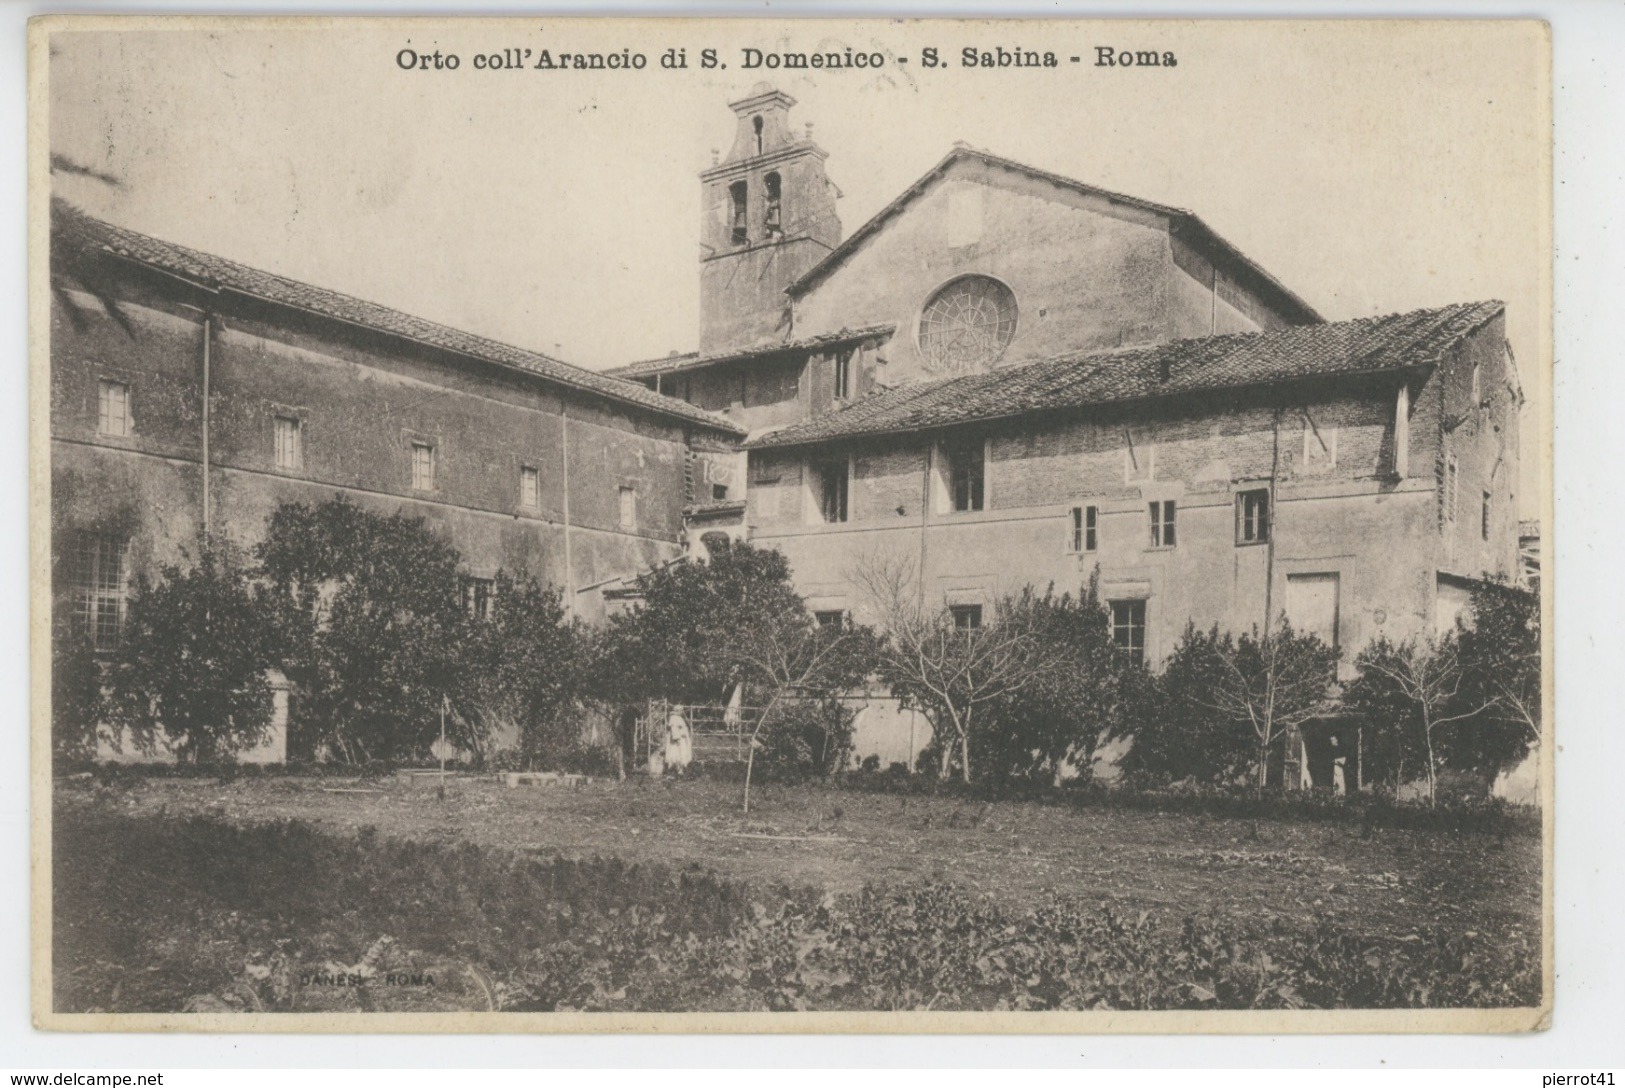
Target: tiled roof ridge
x=207 y=268
x=1183 y=366
x=693 y=359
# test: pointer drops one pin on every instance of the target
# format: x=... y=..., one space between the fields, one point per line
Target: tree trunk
x=945 y=760
x=1427 y=735
x=964 y=756
x=750 y=763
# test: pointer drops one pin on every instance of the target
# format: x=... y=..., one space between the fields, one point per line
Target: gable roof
x=693 y=360
x=78 y=230
x=1361 y=346
x=1185 y=223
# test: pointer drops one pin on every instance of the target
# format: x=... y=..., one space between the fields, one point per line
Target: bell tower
x=769 y=215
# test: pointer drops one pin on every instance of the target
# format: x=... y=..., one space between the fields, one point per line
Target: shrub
x=1053 y=723
x=366 y=609
x=77 y=705
x=1228 y=704
x=191 y=662
x=517 y=676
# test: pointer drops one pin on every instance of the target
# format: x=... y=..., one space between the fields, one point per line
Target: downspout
x=1269 y=596
x=1269 y=539
x=569 y=568
x=925 y=518
x=208 y=339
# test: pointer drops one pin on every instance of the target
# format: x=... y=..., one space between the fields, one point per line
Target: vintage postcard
x=799 y=525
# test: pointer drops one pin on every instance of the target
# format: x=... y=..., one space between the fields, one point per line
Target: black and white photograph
x=791 y=525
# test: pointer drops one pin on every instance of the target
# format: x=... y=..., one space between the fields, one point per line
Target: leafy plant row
x=152 y=913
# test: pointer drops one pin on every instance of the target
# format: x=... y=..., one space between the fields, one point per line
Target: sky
x=1371 y=168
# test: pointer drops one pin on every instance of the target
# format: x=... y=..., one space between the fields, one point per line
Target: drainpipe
x=208 y=338
x=925 y=518
x=1269 y=542
x=569 y=568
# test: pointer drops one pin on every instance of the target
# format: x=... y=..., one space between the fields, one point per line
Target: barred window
x=966 y=617
x=97 y=582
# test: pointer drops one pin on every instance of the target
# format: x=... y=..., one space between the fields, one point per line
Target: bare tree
x=789 y=657
x=949 y=672
x=1428 y=675
x=1269 y=684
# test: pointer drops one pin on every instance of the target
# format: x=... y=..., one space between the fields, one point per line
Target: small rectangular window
x=719 y=492
x=530 y=488
x=966 y=617
x=1253 y=516
x=1450 y=481
x=477 y=594
x=1162 y=524
x=422 y=466
x=629 y=508
x=1084 y=522
x=113 y=409
x=97 y=584
x=833 y=618
x=1484 y=518
x=290 y=453
x=843 y=375
x=832 y=491
x=1128 y=628
x=965 y=477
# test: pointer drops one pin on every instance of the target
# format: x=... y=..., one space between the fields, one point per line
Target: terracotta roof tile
x=694 y=360
x=1367 y=344
x=80 y=229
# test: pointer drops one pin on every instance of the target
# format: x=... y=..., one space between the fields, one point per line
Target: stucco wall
x=360 y=408
x=1087 y=273
x=1346 y=516
x=1482 y=436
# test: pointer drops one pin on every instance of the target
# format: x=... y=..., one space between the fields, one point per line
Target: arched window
x=773 y=220
x=741 y=229
x=966 y=325
x=756 y=123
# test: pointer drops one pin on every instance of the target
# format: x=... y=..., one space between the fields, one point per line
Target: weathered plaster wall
x=361 y=406
x=1482 y=436
x=1346 y=515
x=1087 y=273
